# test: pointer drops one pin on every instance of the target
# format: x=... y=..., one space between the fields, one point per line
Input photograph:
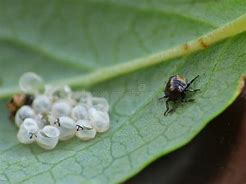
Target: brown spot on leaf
x=185 y=46
x=203 y=44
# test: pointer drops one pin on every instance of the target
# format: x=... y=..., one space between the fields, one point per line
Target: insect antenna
x=191 y=81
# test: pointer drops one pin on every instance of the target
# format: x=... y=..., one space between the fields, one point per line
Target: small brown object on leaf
x=17 y=101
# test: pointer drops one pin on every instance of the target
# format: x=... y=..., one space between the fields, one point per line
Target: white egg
x=59 y=113
x=52 y=120
x=85 y=98
x=42 y=104
x=61 y=108
x=27 y=132
x=42 y=120
x=31 y=83
x=75 y=96
x=23 y=113
x=58 y=92
x=67 y=127
x=99 y=119
x=100 y=104
x=48 y=137
x=79 y=112
x=84 y=130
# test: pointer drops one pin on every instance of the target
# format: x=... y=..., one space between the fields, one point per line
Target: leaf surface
x=129 y=49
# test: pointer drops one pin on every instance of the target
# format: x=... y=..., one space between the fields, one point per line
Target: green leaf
x=124 y=51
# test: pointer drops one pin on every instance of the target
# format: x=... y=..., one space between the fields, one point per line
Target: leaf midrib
x=84 y=67
x=232 y=28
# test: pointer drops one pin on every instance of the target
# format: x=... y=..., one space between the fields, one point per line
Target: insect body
x=17 y=101
x=176 y=89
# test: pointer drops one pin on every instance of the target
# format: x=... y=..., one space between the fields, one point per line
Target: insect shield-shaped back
x=175 y=86
x=176 y=89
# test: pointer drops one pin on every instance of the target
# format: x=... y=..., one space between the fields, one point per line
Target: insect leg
x=184 y=100
x=193 y=90
x=189 y=100
x=167 y=107
x=163 y=97
x=189 y=83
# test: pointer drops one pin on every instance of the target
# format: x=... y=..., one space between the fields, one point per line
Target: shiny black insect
x=176 y=89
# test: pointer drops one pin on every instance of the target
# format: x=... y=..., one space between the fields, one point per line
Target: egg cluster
x=58 y=113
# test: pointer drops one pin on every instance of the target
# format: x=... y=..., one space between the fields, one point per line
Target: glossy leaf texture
x=73 y=39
